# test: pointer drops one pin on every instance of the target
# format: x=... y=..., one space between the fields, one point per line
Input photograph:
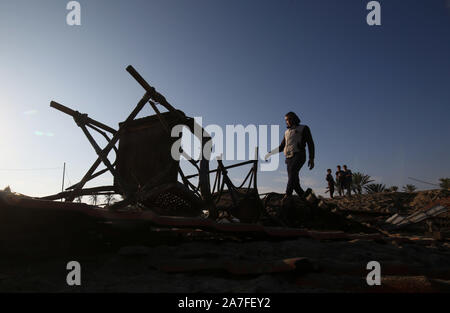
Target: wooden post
x=64 y=174
x=255 y=169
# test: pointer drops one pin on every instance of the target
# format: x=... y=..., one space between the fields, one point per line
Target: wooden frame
x=151 y=96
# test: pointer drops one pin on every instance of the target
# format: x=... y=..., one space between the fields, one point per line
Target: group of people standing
x=343 y=181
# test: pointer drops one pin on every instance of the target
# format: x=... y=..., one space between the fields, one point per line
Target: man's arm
x=282 y=145
x=276 y=150
x=310 y=143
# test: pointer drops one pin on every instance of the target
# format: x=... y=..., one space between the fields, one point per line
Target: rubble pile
x=426 y=199
x=391 y=202
x=382 y=203
x=376 y=210
x=310 y=213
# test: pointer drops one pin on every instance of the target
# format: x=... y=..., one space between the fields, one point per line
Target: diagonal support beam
x=74 y=114
x=101 y=153
x=111 y=144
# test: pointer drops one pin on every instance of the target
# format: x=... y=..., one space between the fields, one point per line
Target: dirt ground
x=232 y=266
x=161 y=260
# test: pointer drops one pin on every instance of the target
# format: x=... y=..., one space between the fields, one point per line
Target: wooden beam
x=225 y=167
x=80 y=192
x=74 y=114
x=114 y=139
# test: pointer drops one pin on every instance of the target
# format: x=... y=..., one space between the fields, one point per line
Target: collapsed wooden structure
x=145 y=172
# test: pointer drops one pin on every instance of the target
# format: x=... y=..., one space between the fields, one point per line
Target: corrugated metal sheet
x=416 y=217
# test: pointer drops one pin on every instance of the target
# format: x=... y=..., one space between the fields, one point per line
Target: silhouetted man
x=348 y=180
x=330 y=181
x=293 y=145
x=340 y=180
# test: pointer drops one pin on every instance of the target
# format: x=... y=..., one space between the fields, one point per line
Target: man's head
x=291 y=119
x=345 y=167
x=339 y=167
x=329 y=171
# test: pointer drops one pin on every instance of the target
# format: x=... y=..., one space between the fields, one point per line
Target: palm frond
x=375 y=188
x=359 y=180
x=409 y=188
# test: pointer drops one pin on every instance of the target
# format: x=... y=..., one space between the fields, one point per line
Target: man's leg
x=290 y=186
x=297 y=187
x=331 y=187
x=299 y=160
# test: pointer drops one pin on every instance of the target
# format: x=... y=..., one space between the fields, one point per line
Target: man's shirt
x=330 y=179
x=340 y=176
x=303 y=134
x=348 y=176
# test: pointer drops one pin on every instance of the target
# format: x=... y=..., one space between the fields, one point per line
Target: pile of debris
x=425 y=199
x=422 y=213
x=308 y=213
x=380 y=203
x=391 y=202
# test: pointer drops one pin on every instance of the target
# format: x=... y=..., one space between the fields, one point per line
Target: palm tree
x=94 y=199
x=445 y=183
x=375 y=188
x=393 y=189
x=409 y=188
x=359 y=180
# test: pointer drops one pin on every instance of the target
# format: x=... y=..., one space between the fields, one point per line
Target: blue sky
x=375 y=98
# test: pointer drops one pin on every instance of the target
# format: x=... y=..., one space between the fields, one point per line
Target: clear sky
x=376 y=98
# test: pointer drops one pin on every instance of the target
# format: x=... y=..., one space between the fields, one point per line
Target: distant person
x=340 y=180
x=330 y=181
x=293 y=145
x=348 y=180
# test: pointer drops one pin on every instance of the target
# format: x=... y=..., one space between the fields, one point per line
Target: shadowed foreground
x=143 y=258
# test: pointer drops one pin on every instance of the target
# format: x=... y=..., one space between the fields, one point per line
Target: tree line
x=364 y=183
